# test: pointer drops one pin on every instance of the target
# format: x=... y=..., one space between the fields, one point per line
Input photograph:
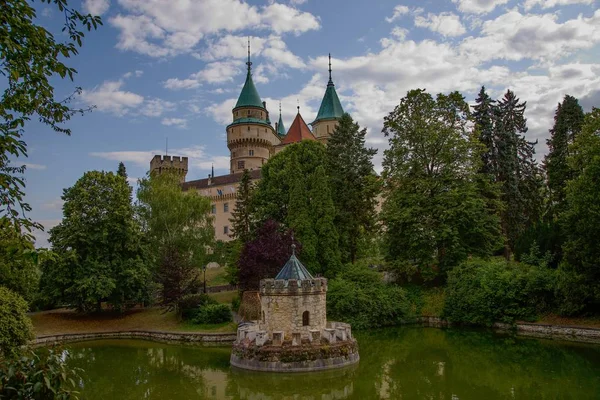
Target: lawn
x=151 y=319
x=224 y=297
x=215 y=277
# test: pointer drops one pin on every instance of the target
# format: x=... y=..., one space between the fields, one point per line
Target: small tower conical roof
x=298 y=132
x=293 y=269
x=249 y=95
x=280 y=126
x=330 y=108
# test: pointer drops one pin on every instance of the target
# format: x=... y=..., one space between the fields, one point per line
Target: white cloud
x=478 y=6
x=514 y=36
x=159 y=29
x=53 y=205
x=297 y=2
x=137 y=73
x=399 y=33
x=156 y=107
x=177 y=122
x=399 y=11
x=109 y=97
x=529 y=4
x=447 y=24
x=96 y=7
x=35 y=166
x=213 y=73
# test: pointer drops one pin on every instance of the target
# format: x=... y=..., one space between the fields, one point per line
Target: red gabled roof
x=298 y=131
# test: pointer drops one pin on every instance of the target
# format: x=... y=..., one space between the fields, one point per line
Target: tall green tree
x=354 y=185
x=242 y=214
x=434 y=211
x=294 y=194
x=178 y=228
x=99 y=243
x=579 y=273
x=122 y=171
x=18 y=269
x=516 y=170
x=483 y=117
x=568 y=120
x=30 y=58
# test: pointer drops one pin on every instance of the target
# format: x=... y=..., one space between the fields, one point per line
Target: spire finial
x=280 y=108
x=212 y=170
x=249 y=63
x=298 y=106
x=330 y=66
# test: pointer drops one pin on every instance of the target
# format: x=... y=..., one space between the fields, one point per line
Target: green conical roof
x=249 y=95
x=280 y=127
x=293 y=269
x=331 y=108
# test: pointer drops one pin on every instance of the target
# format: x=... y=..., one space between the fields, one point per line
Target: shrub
x=235 y=303
x=190 y=305
x=15 y=326
x=359 y=296
x=40 y=375
x=213 y=314
x=486 y=291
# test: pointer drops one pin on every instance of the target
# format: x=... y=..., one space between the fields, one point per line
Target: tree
x=18 y=270
x=241 y=215
x=15 y=325
x=99 y=244
x=568 y=121
x=121 y=171
x=30 y=58
x=179 y=231
x=353 y=184
x=579 y=274
x=294 y=191
x=434 y=211
x=516 y=171
x=483 y=116
x=265 y=255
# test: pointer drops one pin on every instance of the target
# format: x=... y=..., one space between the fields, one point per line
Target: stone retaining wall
x=177 y=337
x=546 y=331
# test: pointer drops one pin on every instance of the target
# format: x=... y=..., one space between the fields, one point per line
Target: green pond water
x=403 y=363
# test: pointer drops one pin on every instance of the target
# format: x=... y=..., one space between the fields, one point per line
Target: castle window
x=250 y=152
x=225 y=207
x=226 y=230
x=305 y=318
x=241 y=164
x=327 y=129
x=248 y=127
x=213 y=209
x=248 y=112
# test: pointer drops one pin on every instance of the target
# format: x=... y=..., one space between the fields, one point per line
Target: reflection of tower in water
x=331 y=385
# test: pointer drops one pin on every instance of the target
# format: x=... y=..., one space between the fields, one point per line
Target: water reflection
x=408 y=363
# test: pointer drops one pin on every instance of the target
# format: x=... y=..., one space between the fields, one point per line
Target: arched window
x=305 y=318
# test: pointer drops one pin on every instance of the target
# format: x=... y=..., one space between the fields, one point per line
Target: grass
x=224 y=297
x=216 y=277
x=150 y=319
x=433 y=302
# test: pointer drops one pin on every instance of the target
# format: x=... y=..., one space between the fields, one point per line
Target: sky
x=173 y=69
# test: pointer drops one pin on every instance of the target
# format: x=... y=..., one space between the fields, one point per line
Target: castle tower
x=250 y=137
x=177 y=165
x=279 y=127
x=329 y=113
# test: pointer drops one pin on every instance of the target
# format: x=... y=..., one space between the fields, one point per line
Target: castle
x=252 y=140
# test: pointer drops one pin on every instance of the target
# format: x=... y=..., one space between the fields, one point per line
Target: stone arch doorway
x=305 y=318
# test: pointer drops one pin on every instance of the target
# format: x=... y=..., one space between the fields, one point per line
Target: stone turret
x=177 y=165
x=293 y=333
x=329 y=113
x=250 y=137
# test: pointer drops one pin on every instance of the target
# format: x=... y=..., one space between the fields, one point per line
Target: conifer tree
x=353 y=185
x=568 y=121
x=241 y=216
x=323 y=214
x=483 y=116
x=121 y=171
x=517 y=171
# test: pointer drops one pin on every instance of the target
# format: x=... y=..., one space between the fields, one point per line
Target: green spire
x=280 y=127
x=331 y=108
x=249 y=95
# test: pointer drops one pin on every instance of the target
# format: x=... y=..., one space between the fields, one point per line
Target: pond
x=401 y=363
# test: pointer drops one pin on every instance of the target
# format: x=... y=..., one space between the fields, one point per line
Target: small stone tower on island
x=292 y=333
